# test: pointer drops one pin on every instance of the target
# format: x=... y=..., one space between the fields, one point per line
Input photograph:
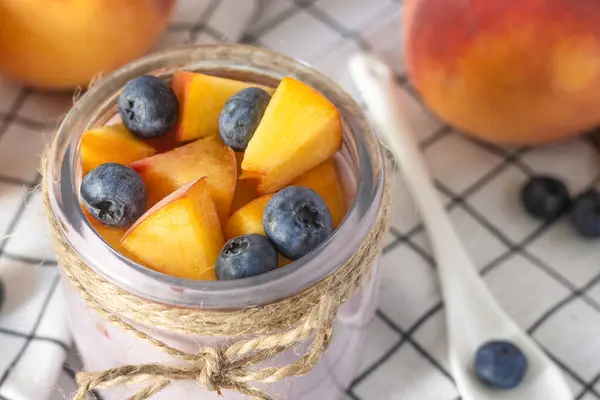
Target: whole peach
x=59 y=44
x=507 y=71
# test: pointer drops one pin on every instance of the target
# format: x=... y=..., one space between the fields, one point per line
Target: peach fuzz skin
x=507 y=71
x=61 y=44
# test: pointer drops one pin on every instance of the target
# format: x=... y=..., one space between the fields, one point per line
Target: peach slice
x=299 y=130
x=249 y=219
x=111 y=143
x=201 y=99
x=181 y=235
x=325 y=180
x=111 y=235
x=209 y=157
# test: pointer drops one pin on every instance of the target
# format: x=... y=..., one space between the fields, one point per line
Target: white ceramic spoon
x=473 y=316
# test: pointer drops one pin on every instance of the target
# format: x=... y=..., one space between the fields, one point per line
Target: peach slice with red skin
x=299 y=130
x=325 y=180
x=111 y=143
x=201 y=99
x=207 y=157
x=181 y=235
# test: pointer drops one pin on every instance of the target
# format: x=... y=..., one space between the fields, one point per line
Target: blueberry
x=241 y=115
x=297 y=220
x=148 y=106
x=585 y=214
x=500 y=365
x=245 y=256
x=2 y=293
x=545 y=197
x=114 y=194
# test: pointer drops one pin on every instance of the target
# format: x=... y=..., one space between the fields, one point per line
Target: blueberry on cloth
x=545 y=197
x=585 y=214
x=500 y=365
x=297 y=220
x=114 y=194
x=148 y=106
x=245 y=256
x=241 y=115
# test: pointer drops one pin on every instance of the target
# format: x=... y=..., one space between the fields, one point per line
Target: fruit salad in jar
x=239 y=181
x=212 y=178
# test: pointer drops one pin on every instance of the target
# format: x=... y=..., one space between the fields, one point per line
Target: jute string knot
x=211 y=376
x=254 y=334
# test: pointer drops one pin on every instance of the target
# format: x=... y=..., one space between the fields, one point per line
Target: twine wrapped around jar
x=306 y=317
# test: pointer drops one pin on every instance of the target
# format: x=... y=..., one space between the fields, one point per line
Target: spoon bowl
x=473 y=316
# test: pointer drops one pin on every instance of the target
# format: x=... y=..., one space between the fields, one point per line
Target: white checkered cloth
x=546 y=277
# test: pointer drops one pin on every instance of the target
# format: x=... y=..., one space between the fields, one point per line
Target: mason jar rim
x=262 y=66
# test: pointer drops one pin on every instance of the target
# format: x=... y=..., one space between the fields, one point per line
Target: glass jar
x=102 y=345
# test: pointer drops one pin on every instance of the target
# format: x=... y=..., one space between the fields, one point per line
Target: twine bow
x=307 y=317
x=215 y=368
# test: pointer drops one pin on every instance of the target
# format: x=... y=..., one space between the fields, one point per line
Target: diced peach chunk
x=249 y=219
x=111 y=235
x=208 y=157
x=299 y=130
x=111 y=143
x=324 y=180
x=201 y=99
x=181 y=235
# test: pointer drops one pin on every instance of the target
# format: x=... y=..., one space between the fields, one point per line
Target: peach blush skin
x=59 y=45
x=507 y=71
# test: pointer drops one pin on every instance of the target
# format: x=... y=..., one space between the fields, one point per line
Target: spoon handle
x=378 y=88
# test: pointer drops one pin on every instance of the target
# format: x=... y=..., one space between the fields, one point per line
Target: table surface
x=546 y=277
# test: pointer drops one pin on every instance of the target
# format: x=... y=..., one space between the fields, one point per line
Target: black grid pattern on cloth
x=6 y=120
